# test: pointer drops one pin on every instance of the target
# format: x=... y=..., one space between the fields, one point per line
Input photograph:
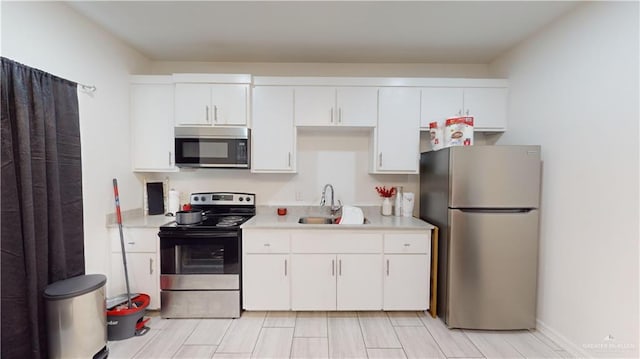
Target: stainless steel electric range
x=200 y=268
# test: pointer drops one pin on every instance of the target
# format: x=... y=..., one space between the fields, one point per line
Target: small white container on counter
x=174 y=201
x=408 y=200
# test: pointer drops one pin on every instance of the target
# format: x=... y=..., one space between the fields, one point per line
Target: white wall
x=54 y=38
x=326 y=156
x=574 y=90
x=322 y=69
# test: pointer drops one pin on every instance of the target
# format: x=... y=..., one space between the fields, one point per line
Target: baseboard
x=562 y=341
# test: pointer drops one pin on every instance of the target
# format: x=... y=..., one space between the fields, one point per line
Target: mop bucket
x=124 y=322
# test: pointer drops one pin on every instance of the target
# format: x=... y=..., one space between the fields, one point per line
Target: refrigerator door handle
x=495 y=210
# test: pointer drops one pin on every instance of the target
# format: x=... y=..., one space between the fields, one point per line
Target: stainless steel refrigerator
x=485 y=201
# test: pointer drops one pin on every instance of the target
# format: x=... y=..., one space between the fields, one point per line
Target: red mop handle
x=115 y=193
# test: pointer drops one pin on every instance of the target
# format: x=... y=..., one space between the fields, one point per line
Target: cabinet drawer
x=135 y=240
x=266 y=242
x=407 y=243
x=333 y=242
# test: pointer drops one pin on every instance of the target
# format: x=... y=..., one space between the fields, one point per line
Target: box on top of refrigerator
x=458 y=131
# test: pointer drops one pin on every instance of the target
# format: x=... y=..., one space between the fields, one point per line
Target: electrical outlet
x=298 y=196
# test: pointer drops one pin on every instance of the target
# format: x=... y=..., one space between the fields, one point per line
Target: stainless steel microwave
x=213 y=147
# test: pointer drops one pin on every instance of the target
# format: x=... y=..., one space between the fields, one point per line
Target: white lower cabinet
x=143 y=276
x=335 y=270
x=359 y=283
x=313 y=282
x=266 y=282
x=143 y=266
x=336 y=282
x=407 y=269
x=266 y=270
x=406 y=282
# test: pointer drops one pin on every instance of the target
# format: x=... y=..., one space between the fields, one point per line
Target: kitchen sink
x=317 y=220
x=321 y=220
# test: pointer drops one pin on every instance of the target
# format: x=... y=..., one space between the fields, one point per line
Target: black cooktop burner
x=224 y=211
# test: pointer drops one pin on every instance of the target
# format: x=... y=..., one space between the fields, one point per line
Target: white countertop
x=135 y=219
x=268 y=218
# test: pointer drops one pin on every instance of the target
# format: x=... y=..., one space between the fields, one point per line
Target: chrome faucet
x=334 y=209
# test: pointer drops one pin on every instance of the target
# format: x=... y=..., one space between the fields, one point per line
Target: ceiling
x=323 y=31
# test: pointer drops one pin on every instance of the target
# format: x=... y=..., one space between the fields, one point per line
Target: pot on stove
x=190 y=217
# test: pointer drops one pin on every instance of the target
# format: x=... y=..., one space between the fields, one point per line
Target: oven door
x=199 y=260
x=212 y=152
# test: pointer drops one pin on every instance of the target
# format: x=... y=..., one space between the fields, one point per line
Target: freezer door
x=494 y=177
x=492 y=268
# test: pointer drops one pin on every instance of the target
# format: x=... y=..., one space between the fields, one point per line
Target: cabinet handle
x=289 y=159
x=150 y=265
x=340 y=115
x=467 y=112
x=340 y=267
x=170 y=161
x=407 y=245
x=267 y=244
x=207 y=115
x=380 y=160
x=331 y=115
x=285 y=267
x=387 y=267
x=333 y=267
x=131 y=243
x=215 y=113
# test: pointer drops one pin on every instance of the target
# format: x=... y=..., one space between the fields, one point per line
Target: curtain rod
x=87 y=88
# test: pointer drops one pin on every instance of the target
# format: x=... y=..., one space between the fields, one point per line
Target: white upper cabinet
x=314 y=106
x=230 y=104
x=336 y=106
x=357 y=106
x=440 y=103
x=273 y=136
x=193 y=104
x=397 y=137
x=200 y=100
x=488 y=106
x=152 y=124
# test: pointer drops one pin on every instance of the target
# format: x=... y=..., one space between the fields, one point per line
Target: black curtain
x=42 y=236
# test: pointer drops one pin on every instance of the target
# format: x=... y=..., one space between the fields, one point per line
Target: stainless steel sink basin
x=321 y=220
x=317 y=220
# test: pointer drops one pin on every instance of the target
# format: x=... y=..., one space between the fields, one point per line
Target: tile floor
x=328 y=335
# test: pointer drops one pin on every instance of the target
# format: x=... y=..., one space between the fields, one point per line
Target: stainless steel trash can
x=77 y=317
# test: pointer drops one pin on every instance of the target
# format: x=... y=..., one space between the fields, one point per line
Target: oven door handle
x=192 y=234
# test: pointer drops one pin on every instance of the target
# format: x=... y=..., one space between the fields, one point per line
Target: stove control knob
x=240 y=199
x=248 y=199
x=202 y=199
x=195 y=199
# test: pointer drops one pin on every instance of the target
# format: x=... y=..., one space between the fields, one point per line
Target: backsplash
x=339 y=158
x=324 y=156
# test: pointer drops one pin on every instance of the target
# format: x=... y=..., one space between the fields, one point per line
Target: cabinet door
x=315 y=106
x=143 y=272
x=357 y=106
x=359 y=283
x=193 y=104
x=273 y=134
x=229 y=104
x=488 y=106
x=265 y=282
x=398 y=132
x=406 y=282
x=313 y=282
x=152 y=127
x=439 y=103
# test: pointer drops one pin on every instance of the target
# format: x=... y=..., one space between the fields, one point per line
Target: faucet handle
x=322 y=201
